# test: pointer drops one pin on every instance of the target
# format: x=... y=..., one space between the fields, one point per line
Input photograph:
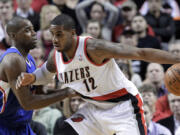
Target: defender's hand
x=25 y=79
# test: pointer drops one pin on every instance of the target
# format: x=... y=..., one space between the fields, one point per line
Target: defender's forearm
x=40 y=101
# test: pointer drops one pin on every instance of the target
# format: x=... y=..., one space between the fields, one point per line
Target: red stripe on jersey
x=112 y=95
x=4 y=100
x=140 y=104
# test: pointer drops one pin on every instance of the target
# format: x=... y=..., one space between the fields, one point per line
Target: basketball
x=172 y=79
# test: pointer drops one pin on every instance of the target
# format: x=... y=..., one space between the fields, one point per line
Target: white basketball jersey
x=99 y=82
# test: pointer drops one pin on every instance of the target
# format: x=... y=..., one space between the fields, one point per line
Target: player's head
x=21 y=33
x=63 y=29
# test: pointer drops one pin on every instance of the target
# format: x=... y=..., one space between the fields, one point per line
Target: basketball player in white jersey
x=87 y=65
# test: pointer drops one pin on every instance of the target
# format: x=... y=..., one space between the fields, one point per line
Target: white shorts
x=125 y=118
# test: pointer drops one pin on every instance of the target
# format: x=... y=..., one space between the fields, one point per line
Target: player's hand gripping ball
x=172 y=79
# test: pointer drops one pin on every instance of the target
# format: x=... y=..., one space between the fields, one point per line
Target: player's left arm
x=99 y=50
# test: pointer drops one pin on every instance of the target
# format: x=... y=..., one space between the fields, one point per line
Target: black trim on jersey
x=134 y=102
x=114 y=100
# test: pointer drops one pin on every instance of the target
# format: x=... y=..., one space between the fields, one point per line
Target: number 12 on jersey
x=90 y=84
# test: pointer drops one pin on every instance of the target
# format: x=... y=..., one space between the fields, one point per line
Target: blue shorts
x=23 y=130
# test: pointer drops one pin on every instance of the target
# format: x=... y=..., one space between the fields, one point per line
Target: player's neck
x=23 y=52
x=70 y=52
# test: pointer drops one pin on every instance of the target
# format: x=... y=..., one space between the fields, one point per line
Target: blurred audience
x=24 y=10
x=100 y=10
x=172 y=122
x=162 y=23
x=47 y=13
x=152 y=127
x=128 y=11
x=36 y=4
x=140 y=27
x=126 y=68
x=94 y=29
x=70 y=106
x=169 y=6
x=6 y=13
x=155 y=76
x=38 y=54
x=159 y=107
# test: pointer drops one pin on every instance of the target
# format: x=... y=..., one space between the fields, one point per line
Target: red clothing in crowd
x=119 y=29
x=162 y=109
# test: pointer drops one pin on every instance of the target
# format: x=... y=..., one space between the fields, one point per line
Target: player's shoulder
x=13 y=60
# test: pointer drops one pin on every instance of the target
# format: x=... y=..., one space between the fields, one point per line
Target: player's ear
x=12 y=35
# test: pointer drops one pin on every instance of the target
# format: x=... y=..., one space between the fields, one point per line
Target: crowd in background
x=140 y=23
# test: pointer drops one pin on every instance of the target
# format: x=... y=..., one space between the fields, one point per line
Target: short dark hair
x=64 y=20
x=97 y=3
x=148 y=88
x=14 y=25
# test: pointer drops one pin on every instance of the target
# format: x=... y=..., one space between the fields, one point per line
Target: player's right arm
x=13 y=65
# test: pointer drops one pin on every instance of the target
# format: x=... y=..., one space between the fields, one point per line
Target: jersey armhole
x=86 y=54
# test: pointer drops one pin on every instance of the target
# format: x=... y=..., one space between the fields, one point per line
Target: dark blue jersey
x=11 y=112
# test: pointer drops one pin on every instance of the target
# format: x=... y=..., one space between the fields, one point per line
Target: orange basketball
x=172 y=79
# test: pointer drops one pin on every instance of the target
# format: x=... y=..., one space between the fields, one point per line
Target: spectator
x=128 y=11
x=6 y=14
x=167 y=4
x=154 y=128
x=94 y=28
x=38 y=54
x=140 y=27
x=174 y=48
x=24 y=10
x=159 y=107
x=162 y=23
x=126 y=68
x=155 y=76
x=47 y=13
x=172 y=122
x=36 y=4
x=70 y=106
x=129 y=37
x=98 y=11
